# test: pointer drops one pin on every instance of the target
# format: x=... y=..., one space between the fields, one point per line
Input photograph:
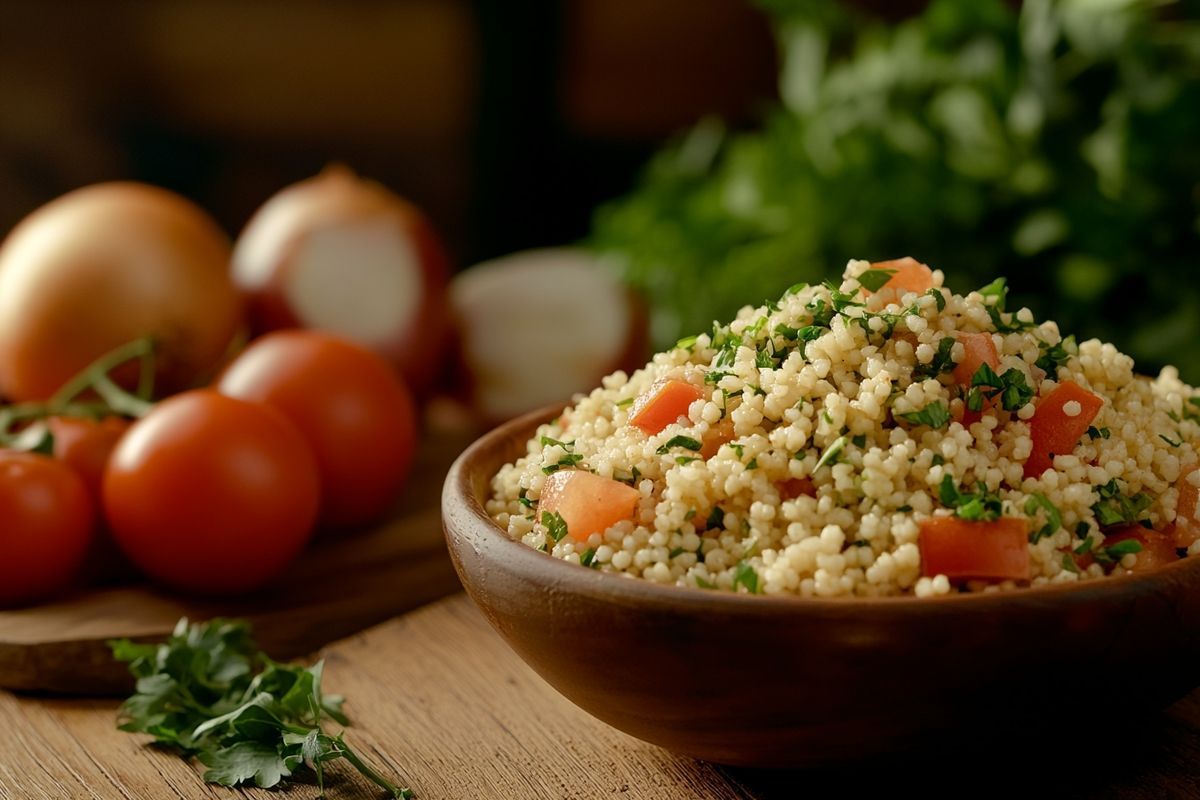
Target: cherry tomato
x=211 y=494
x=348 y=403
x=85 y=445
x=46 y=520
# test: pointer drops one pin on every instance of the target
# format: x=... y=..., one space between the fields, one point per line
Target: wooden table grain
x=438 y=700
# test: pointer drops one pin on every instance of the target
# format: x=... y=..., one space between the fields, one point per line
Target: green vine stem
x=113 y=399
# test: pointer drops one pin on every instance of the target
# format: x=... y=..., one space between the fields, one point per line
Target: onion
x=538 y=326
x=346 y=255
x=102 y=266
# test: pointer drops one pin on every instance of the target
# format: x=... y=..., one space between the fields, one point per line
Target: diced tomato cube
x=717 y=435
x=665 y=402
x=1055 y=431
x=910 y=276
x=795 y=487
x=1158 y=549
x=587 y=502
x=978 y=349
x=961 y=550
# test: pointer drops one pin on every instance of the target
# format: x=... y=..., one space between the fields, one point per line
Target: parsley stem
x=370 y=774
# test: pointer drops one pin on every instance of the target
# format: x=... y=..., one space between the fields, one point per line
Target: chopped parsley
x=997 y=291
x=588 y=559
x=860 y=441
x=716 y=518
x=938 y=298
x=745 y=575
x=753 y=464
x=686 y=442
x=1095 y=433
x=875 y=279
x=1012 y=388
x=1114 y=553
x=569 y=460
x=935 y=415
x=979 y=505
x=687 y=343
x=1053 y=517
x=556 y=526
x=681 y=460
x=1055 y=357
x=1086 y=546
x=628 y=401
x=831 y=453
x=1115 y=508
x=941 y=362
x=704 y=584
x=1068 y=563
x=1170 y=441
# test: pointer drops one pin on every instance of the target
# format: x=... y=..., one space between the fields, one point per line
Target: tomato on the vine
x=348 y=403
x=211 y=494
x=46 y=522
x=85 y=445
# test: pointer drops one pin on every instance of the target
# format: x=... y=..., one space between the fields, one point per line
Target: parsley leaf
x=556 y=526
x=1055 y=357
x=941 y=362
x=1053 y=517
x=1012 y=388
x=935 y=415
x=208 y=691
x=979 y=505
x=1114 y=508
x=831 y=453
x=875 y=279
x=745 y=575
x=686 y=442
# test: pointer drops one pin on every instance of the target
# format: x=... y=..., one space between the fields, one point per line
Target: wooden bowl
x=785 y=681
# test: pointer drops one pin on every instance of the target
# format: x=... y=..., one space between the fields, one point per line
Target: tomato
x=588 y=503
x=795 y=487
x=348 y=403
x=958 y=549
x=86 y=444
x=663 y=403
x=909 y=275
x=103 y=266
x=46 y=520
x=1158 y=549
x=978 y=349
x=1054 y=431
x=717 y=435
x=211 y=494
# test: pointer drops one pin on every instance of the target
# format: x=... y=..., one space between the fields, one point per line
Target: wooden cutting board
x=335 y=588
x=439 y=702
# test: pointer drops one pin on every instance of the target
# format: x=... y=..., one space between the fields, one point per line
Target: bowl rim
x=464 y=516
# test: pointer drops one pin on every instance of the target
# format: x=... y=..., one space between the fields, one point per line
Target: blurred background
x=713 y=152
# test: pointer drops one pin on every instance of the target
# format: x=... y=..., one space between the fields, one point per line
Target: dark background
x=507 y=121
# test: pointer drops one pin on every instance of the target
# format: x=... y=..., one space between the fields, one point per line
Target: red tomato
x=795 y=487
x=1054 y=431
x=587 y=502
x=958 y=549
x=663 y=403
x=1158 y=549
x=46 y=521
x=717 y=435
x=909 y=275
x=348 y=403
x=86 y=444
x=978 y=350
x=211 y=494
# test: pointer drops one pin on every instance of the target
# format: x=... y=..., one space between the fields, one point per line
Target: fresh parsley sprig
x=209 y=692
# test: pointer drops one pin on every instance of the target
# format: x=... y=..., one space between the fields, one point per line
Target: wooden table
x=439 y=700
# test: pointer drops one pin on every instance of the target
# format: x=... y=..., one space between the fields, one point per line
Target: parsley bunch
x=208 y=691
